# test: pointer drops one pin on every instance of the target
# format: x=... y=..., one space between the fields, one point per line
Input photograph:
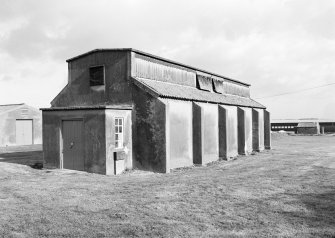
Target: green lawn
x=286 y=192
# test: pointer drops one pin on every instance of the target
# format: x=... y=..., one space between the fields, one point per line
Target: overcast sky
x=278 y=46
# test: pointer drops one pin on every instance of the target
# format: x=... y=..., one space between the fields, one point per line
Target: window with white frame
x=119 y=132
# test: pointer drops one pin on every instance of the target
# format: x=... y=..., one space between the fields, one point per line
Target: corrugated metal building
x=123 y=108
x=20 y=124
x=308 y=128
x=322 y=125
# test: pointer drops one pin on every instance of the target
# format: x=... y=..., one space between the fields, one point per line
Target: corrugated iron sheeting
x=145 y=67
x=307 y=124
x=175 y=91
x=229 y=87
x=235 y=89
x=218 y=86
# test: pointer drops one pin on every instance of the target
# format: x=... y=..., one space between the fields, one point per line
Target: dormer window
x=97 y=75
x=218 y=86
x=204 y=82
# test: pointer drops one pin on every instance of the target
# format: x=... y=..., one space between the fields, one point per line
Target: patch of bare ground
x=286 y=192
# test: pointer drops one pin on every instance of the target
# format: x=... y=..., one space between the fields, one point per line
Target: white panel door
x=24 y=132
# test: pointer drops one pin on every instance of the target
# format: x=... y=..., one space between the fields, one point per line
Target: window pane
x=118 y=132
x=204 y=82
x=96 y=75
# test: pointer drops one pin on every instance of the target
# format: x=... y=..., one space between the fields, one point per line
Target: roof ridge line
x=158 y=58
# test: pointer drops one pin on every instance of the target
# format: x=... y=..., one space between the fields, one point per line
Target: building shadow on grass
x=322 y=211
x=33 y=159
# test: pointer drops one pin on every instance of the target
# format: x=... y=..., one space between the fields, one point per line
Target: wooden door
x=24 y=132
x=73 y=157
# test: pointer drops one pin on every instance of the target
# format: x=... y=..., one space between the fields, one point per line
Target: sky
x=277 y=46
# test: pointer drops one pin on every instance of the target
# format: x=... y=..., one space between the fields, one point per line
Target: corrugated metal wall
x=234 y=88
x=228 y=87
x=149 y=68
x=145 y=67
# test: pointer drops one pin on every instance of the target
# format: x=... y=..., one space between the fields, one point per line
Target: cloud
x=275 y=45
x=6 y=78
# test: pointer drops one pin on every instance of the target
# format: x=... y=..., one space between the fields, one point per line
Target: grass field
x=286 y=192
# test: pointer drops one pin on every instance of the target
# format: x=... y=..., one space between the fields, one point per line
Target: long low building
x=125 y=109
x=304 y=126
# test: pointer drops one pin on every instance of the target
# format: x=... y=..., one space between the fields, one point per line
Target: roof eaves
x=257 y=102
x=14 y=104
x=212 y=102
x=95 y=107
x=146 y=88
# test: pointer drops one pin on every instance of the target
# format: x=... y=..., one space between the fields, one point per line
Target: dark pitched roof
x=181 y=92
x=158 y=58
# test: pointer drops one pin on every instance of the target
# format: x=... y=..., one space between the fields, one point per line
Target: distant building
x=124 y=109
x=20 y=124
x=308 y=128
x=291 y=125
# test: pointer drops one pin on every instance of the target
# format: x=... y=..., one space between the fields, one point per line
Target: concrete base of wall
x=119 y=167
